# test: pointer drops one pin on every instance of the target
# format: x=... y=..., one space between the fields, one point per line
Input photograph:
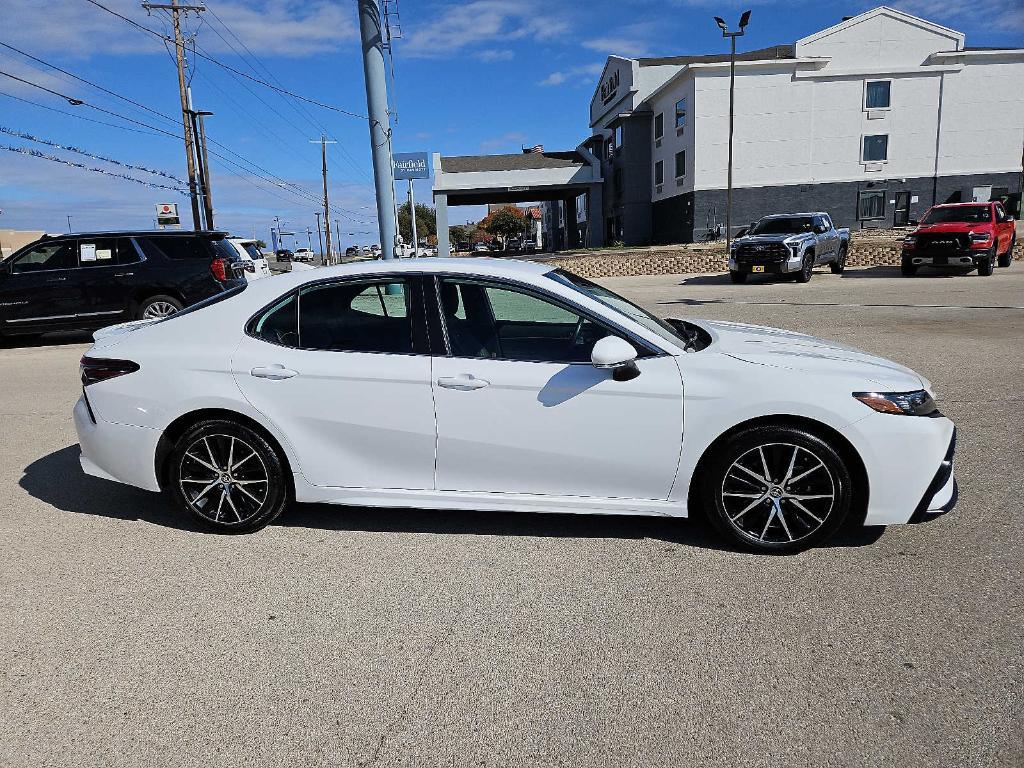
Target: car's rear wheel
x=908 y=268
x=777 y=489
x=158 y=307
x=737 y=277
x=806 y=270
x=839 y=264
x=228 y=477
x=1007 y=258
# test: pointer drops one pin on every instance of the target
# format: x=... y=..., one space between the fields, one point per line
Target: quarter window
x=876 y=148
x=280 y=323
x=490 y=321
x=871 y=204
x=681 y=113
x=877 y=94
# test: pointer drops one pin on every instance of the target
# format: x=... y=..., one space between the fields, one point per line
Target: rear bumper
x=118 y=452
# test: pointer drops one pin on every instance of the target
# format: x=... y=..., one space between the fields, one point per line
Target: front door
x=520 y=408
x=342 y=370
x=43 y=290
x=901 y=213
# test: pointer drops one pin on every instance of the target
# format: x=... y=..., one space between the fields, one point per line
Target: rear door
x=108 y=268
x=44 y=290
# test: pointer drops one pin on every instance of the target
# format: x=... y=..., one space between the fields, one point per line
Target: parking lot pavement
x=362 y=637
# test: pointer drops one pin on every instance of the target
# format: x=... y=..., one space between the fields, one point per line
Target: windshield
x=785 y=225
x=618 y=303
x=966 y=214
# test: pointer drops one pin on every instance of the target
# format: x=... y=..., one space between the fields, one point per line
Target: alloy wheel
x=158 y=310
x=778 y=493
x=224 y=479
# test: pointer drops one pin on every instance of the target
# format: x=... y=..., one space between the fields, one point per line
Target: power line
x=229 y=68
x=80 y=117
x=53 y=158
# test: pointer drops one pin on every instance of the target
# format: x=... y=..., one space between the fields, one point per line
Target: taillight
x=219 y=268
x=95 y=369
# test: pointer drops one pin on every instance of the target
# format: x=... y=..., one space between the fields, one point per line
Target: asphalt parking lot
x=374 y=637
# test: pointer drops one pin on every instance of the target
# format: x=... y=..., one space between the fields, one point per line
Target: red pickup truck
x=972 y=235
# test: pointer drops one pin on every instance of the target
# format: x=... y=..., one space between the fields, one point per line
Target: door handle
x=56 y=280
x=463 y=382
x=123 y=274
x=275 y=372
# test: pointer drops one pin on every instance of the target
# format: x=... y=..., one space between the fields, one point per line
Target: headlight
x=917 y=403
x=980 y=237
x=910 y=240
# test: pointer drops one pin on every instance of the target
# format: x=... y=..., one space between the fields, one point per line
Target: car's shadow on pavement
x=57 y=479
x=46 y=340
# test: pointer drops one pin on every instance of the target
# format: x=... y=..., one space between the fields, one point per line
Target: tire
x=158 y=307
x=987 y=265
x=225 y=495
x=776 y=517
x=804 y=275
x=908 y=269
x=839 y=264
x=1007 y=258
x=737 y=277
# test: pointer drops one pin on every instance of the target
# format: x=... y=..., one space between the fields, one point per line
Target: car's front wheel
x=908 y=268
x=1007 y=258
x=806 y=269
x=987 y=265
x=777 y=489
x=228 y=477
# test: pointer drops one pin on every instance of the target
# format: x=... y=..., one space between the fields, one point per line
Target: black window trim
x=643 y=346
x=420 y=341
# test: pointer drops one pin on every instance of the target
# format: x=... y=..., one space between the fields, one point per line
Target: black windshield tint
x=966 y=214
x=786 y=225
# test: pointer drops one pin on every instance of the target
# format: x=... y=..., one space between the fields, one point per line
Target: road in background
x=377 y=637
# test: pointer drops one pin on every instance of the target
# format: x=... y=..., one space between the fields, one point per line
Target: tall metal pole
x=732 y=109
x=179 y=48
x=380 y=126
x=412 y=218
x=207 y=194
x=320 y=237
x=199 y=169
x=69 y=223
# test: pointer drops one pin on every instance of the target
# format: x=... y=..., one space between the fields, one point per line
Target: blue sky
x=470 y=77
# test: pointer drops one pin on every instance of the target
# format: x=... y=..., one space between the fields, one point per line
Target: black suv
x=90 y=280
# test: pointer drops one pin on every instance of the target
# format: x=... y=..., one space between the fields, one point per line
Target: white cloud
x=268 y=27
x=500 y=54
x=505 y=141
x=630 y=40
x=479 y=23
x=968 y=15
x=583 y=74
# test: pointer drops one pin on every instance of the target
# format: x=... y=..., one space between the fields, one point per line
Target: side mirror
x=913 y=222
x=741 y=233
x=617 y=355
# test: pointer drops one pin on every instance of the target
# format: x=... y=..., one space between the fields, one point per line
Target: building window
x=659 y=125
x=659 y=172
x=876 y=149
x=680 y=164
x=617 y=136
x=871 y=204
x=680 y=113
x=617 y=182
x=877 y=94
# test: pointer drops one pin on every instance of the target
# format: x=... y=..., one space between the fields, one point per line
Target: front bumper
x=942 y=493
x=766 y=267
x=924 y=258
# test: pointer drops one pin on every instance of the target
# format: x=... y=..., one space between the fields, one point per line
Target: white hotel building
x=873 y=120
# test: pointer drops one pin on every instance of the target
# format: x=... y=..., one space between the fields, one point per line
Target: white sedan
x=500 y=385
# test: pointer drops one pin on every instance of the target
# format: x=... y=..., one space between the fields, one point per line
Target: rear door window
x=371 y=316
x=178 y=248
x=103 y=251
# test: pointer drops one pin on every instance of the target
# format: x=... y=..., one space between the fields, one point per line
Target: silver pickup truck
x=791 y=244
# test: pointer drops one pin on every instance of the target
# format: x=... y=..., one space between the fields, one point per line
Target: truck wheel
x=737 y=277
x=1007 y=258
x=839 y=264
x=804 y=275
x=908 y=268
x=986 y=266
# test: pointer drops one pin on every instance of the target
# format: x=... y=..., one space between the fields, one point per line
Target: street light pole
x=69 y=223
x=320 y=237
x=744 y=20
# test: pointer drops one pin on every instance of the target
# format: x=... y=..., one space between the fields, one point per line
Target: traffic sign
x=411 y=165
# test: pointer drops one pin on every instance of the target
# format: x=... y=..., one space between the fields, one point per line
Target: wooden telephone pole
x=179 y=49
x=323 y=142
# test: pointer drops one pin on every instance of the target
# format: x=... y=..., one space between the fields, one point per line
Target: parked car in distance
x=303 y=254
x=501 y=385
x=351 y=252
x=283 y=254
x=790 y=244
x=481 y=248
x=965 y=235
x=94 y=279
x=249 y=254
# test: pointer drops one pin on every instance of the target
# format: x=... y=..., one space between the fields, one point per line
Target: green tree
x=261 y=244
x=459 y=235
x=505 y=222
x=426 y=222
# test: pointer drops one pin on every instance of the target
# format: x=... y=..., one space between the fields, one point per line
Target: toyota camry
x=504 y=385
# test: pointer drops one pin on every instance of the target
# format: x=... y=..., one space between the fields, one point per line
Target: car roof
x=790 y=215
x=962 y=205
x=140 y=233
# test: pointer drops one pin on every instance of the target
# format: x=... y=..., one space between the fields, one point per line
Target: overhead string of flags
x=80 y=151
x=43 y=156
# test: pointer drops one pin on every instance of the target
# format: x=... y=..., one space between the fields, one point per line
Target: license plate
x=759 y=268
x=940 y=261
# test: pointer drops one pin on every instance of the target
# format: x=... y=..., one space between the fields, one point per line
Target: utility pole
x=744 y=20
x=380 y=125
x=69 y=223
x=320 y=237
x=179 y=48
x=204 y=167
x=323 y=142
